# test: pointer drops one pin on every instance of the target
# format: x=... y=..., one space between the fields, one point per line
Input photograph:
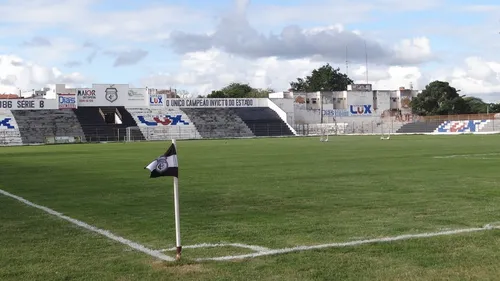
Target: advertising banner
x=104 y=95
x=111 y=94
x=136 y=97
x=164 y=120
x=361 y=110
x=360 y=103
x=215 y=102
x=28 y=104
x=67 y=99
x=157 y=100
x=86 y=96
x=336 y=112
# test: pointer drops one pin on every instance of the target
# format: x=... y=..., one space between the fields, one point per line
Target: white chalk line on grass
x=103 y=232
x=209 y=245
x=351 y=243
x=467 y=156
x=259 y=251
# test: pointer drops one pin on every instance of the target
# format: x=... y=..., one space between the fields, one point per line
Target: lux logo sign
x=360 y=109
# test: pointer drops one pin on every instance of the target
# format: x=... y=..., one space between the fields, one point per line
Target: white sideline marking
x=103 y=232
x=466 y=155
x=351 y=243
x=260 y=251
x=208 y=245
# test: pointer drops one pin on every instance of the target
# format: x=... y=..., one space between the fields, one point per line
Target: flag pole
x=177 y=219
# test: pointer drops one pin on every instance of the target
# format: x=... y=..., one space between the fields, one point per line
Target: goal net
x=326 y=130
x=160 y=133
x=133 y=134
x=385 y=130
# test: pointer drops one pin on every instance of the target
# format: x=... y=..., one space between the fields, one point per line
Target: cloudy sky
x=200 y=46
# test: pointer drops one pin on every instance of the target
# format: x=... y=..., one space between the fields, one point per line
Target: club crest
x=111 y=93
x=161 y=164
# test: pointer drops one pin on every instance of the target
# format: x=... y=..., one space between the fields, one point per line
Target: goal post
x=385 y=130
x=132 y=132
x=326 y=130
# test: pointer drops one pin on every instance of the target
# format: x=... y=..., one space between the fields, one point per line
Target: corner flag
x=165 y=165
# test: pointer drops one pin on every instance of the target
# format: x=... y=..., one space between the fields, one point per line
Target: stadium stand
x=164 y=123
x=490 y=126
x=419 y=127
x=107 y=113
x=100 y=123
x=218 y=123
x=36 y=125
x=263 y=121
x=9 y=129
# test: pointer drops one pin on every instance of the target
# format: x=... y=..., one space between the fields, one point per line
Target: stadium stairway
x=218 y=123
x=263 y=121
x=96 y=129
x=419 y=127
x=36 y=125
x=164 y=123
x=9 y=129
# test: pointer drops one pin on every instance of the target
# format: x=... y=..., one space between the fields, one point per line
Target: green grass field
x=274 y=193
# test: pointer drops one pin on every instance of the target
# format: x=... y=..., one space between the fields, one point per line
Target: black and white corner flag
x=165 y=165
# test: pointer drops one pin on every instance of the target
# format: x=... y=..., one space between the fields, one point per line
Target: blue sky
x=201 y=46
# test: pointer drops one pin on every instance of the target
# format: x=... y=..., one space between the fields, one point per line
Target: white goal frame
x=128 y=133
x=326 y=130
x=385 y=131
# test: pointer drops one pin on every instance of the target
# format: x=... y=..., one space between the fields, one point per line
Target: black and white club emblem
x=111 y=93
x=161 y=164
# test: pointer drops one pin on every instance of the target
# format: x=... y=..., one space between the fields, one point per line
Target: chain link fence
x=110 y=134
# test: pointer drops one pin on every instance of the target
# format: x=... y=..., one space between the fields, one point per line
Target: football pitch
x=353 y=208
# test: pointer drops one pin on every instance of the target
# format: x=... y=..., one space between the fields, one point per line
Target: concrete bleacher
x=490 y=126
x=164 y=123
x=218 y=123
x=9 y=129
x=36 y=125
x=96 y=129
x=263 y=121
x=195 y=123
x=419 y=127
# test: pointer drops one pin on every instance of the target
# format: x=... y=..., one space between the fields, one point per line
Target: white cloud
x=211 y=70
x=476 y=76
x=58 y=50
x=151 y=22
x=235 y=35
x=391 y=78
x=17 y=74
x=312 y=11
x=413 y=50
x=202 y=72
x=344 y=11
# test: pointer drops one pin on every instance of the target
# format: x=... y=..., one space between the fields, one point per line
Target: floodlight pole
x=321 y=106
x=177 y=217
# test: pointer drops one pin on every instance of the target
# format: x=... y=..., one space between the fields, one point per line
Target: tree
x=494 y=107
x=239 y=90
x=476 y=105
x=439 y=98
x=325 y=78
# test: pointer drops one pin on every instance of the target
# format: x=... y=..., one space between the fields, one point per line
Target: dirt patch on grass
x=179 y=267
